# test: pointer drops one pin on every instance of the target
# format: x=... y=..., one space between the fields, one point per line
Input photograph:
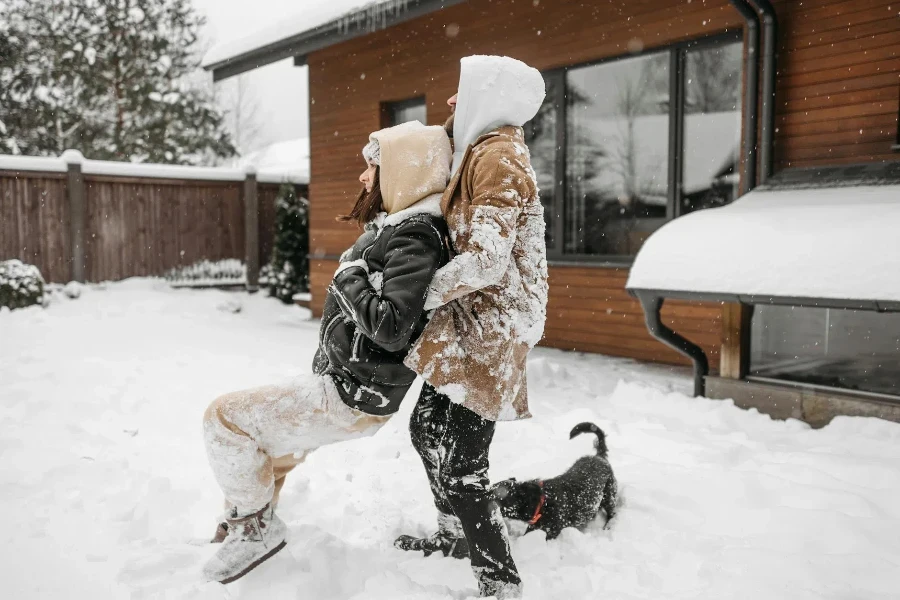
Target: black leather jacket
x=366 y=333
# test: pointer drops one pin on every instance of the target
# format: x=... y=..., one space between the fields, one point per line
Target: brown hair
x=368 y=204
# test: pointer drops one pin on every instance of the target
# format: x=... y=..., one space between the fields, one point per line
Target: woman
x=374 y=311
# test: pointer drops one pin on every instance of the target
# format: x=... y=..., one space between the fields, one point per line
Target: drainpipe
x=652 y=304
x=769 y=73
x=751 y=93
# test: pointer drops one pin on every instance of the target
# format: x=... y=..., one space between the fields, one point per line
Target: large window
x=645 y=139
x=849 y=349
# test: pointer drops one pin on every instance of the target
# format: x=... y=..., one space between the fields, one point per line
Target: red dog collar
x=537 y=512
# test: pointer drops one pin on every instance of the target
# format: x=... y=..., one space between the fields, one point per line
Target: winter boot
x=500 y=590
x=251 y=540
x=449 y=539
x=221 y=533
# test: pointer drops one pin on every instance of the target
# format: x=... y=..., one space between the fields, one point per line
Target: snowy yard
x=105 y=489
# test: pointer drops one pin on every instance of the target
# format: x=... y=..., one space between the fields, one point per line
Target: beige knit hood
x=415 y=163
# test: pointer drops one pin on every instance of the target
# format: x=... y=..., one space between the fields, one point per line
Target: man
x=491 y=306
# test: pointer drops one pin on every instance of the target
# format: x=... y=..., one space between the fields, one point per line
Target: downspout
x=769 y=74
x=751 y=93
x=652 y=303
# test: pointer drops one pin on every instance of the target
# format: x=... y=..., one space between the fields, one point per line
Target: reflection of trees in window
x=617 y=182
x=614 y=189
x=712 y=126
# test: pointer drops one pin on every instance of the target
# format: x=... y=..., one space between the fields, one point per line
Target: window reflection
x=540 y=135
x=712 y=126
x=408 y=110
x=850 y=349
x=616 y=154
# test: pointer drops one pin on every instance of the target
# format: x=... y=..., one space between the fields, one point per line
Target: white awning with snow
x=834 y=244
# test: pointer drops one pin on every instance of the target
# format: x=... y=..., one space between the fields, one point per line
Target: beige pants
x=254 y=438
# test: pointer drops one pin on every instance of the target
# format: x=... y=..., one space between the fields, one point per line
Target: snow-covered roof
x=316 y=24
x=264 y=174
x=290 y=157
x=840 y=244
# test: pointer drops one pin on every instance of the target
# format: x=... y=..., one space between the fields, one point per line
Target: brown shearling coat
x=494 y=291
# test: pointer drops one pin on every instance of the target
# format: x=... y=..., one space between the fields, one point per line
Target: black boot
x=436 y=542
x=449 y=539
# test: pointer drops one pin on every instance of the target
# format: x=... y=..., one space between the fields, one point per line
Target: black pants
x=454 y=442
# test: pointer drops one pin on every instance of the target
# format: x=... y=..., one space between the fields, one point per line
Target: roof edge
x=352 y=25
x=743 y=298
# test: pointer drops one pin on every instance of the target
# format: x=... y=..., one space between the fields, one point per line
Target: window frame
x=677 y=88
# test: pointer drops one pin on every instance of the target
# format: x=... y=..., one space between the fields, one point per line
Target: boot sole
x=256 y=563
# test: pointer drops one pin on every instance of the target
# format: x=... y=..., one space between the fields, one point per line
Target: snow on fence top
x=370 y=15
x=838 y=243
x=300 y=175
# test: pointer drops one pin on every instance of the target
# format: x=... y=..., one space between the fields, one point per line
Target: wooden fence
x=85 y=220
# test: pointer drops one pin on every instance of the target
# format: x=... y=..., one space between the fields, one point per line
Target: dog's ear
x=502 y=489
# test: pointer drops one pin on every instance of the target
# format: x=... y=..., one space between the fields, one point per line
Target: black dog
x=571 y=500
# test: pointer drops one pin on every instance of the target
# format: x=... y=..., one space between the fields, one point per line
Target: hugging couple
x=449 y=282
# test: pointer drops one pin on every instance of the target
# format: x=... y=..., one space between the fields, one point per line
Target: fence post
x=251 y=230
x=77 y=211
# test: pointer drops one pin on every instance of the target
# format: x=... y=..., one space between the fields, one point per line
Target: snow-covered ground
x=104 y=484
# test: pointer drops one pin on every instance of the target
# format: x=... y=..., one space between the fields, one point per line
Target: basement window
x=841 y=348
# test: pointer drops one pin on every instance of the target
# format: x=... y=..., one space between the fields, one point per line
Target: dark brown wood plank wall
x=145 y=227
x=838 y=81
x=34 y=222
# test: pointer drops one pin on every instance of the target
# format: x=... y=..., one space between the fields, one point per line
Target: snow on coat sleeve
x=498 y=191
x=413 y=254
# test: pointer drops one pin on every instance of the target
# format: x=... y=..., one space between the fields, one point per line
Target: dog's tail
x=600 y=444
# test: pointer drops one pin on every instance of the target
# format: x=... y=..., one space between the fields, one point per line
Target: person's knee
x=219 y=410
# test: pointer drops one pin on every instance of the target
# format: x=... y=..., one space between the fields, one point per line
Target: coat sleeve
x=413 y=254
x=500 y=187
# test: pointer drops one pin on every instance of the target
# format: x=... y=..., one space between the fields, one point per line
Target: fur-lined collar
x=430 y=205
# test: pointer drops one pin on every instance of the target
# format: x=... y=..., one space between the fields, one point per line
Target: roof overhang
x=790 y=244
x=367 y=19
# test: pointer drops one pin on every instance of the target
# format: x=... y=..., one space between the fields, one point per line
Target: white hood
x=493 y=91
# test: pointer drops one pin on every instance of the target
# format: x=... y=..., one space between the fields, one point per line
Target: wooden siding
x=838 y=81
x=837 y=93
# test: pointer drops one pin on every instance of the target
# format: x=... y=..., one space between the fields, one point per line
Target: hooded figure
x=491 y=303
x=374 y=310
x=494 y=292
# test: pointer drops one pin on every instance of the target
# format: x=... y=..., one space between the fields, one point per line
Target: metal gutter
x=352 y=25
x=652 y=304
x=769 y=73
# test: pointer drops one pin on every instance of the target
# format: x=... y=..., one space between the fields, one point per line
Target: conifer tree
x=107 y=77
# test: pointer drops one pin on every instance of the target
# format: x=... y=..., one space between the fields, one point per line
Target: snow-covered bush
x=288 y=271
x=21 y=285
x=205 y=273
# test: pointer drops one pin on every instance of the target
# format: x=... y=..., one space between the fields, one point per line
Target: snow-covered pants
x=453 y=443
x=254 y=436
